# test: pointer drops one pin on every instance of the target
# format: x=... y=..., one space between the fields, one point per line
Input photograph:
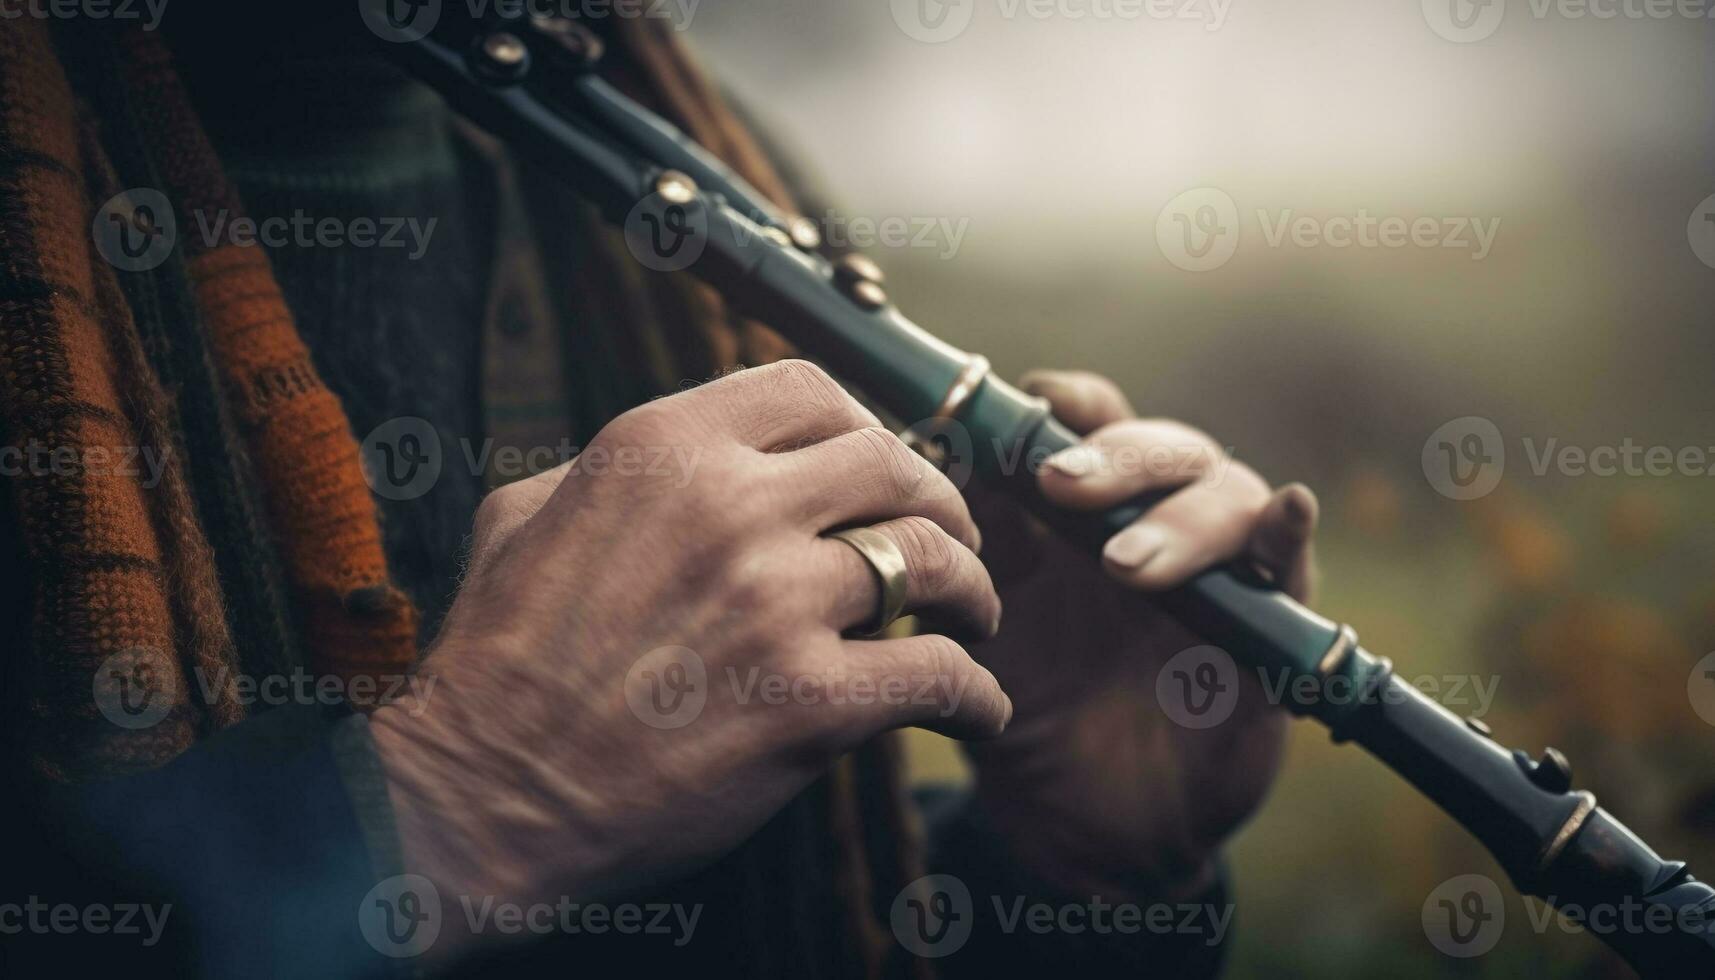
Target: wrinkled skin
x=539 y=764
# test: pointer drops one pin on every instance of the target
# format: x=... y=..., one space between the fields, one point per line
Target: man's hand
x=1094 y=785
x=646 y=660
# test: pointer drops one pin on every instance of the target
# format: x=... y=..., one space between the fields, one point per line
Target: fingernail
x=1078 y=462
x=1133 y=547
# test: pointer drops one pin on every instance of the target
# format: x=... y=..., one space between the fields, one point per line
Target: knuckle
x=646 y=421
x=494 y=510
x=930 y=552
x=805 y=377
x=944 y=662
x=899 y=471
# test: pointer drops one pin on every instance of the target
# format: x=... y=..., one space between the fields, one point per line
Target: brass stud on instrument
x=676 y=188
x=868 y=295
x=504 y=55
x=804 y=233
x=574 y=39
x=856 y=268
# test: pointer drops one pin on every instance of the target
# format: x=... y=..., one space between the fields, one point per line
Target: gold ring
x=889 y=564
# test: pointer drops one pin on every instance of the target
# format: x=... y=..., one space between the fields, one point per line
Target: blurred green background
x=1054 y=143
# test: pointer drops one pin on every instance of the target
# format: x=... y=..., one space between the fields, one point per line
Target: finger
x=779 y=406
x=868 y=475
x=940 y=573
x=1201 y=525
x=928 y=681
x=505 y=510
x=1125 y=459
x=1282 y=539
x=1083 y=400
